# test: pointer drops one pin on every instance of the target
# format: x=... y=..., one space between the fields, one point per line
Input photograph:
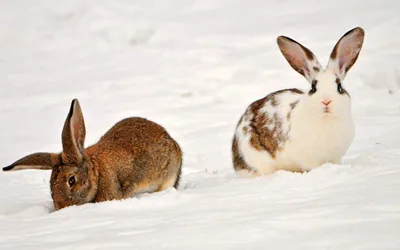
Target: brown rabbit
x=134 y=156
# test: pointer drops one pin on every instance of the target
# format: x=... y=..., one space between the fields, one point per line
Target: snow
x=194 y=66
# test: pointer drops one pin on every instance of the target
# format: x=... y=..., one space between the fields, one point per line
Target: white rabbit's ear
x=299 y=57
x=346 y=51
x=73 y=135
x=43 y=161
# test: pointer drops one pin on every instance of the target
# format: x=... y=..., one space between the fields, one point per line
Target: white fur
x=320 y=128
x=314 y=137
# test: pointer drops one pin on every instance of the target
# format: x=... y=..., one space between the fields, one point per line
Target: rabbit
x=134 y=156
x=299 y=130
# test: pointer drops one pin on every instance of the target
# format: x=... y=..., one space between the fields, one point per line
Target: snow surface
x=194 y=66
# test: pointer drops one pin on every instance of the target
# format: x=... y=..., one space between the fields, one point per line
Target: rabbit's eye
x=71 y=181
x=340 y=89
x=313 y=87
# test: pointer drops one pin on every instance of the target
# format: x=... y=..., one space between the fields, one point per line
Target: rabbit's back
x=134 y=130
x=136 y=155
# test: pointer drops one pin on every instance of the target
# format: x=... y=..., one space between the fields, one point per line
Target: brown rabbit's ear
x=44 y=161
x=73 y=135
x=299 y=57
x=346 y=51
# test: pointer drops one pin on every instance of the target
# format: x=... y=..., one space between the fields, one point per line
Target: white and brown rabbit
x=134 y=156
x=299 y=130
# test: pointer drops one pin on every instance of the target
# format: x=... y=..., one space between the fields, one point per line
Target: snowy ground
x=194 y=66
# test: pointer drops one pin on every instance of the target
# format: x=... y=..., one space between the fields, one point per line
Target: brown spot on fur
x=262 y=137
x=292 y=106
x=238 y=161
x=316 y=69
x=245 y=130
x=257 y=135
x=308 y=52
x=274 y=101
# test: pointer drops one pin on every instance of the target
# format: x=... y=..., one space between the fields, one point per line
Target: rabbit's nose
x=326 y=103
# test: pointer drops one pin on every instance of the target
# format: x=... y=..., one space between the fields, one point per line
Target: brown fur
x=238 y=162
x=135 y=155
x=262 y=138
x=292 y=106
x=42 y=161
